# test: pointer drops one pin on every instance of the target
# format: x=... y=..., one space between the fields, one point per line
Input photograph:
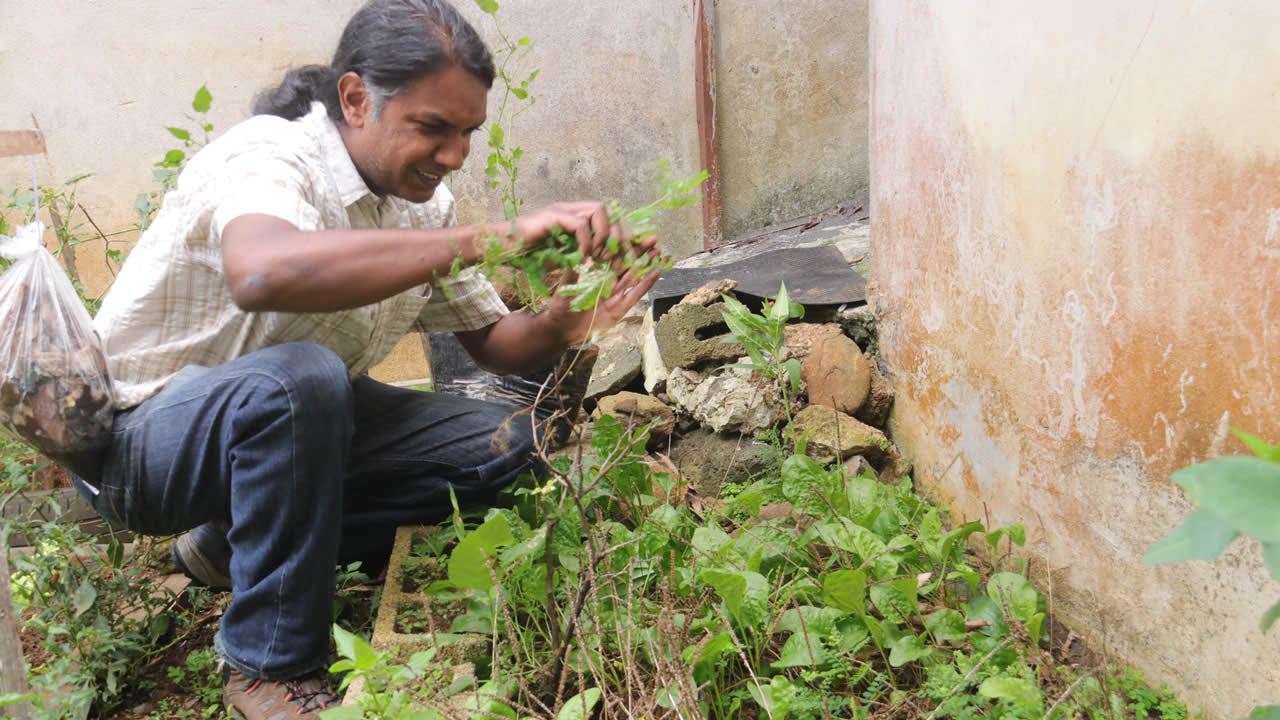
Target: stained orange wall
x=1076 y=213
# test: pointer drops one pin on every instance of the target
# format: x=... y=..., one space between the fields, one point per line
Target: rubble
x=655 y=371
x=619 y=361
x=875 y=411
x=707 y=460
x=735 y=399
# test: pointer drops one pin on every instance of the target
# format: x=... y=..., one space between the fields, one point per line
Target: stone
x=655 y=371
x=735 y=399
x=619 y=361
x=857 y=466
x=801 y=337
x=875 y=411
x=709 y=293
x=837 y=374
x=690 y=335
x=707 y=460
x=635 y=410
x=830 y=435
x=859 y=324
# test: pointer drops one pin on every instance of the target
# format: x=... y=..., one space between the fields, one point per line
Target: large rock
x=837 y=374
x=655 y=371
x=619 y=361
x=635 y=410
x=802 y=337
x=830 y=434
x=707 y=460
x=710 y=292
x=875 y=411
x=690 y=335
x=736 y=399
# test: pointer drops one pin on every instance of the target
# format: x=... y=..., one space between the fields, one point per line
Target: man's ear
x=357 y=106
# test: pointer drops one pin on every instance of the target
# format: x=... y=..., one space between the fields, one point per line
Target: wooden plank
x=13 y=670
x=20 y=142
x=704 y=77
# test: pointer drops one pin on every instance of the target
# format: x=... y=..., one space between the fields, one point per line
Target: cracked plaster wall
x=616 y=94
x=1077 y=233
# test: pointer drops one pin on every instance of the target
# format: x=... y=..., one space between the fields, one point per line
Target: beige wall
x=615 y=95
x=1078 y=259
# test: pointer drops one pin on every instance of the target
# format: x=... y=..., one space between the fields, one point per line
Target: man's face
x=421 y=135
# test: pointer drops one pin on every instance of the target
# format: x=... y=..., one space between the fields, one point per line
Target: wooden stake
x=13 y=670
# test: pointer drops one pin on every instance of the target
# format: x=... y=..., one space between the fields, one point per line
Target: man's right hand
x=587 y=221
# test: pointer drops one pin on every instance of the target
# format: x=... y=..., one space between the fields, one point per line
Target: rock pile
x=708 y=415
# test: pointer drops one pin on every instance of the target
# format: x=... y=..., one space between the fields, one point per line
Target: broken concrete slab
x=655 y=371
x=830 y=435
x=732 y=400
x=619 y=361
x=837 y=374
x=690 y=335
x=634 y=410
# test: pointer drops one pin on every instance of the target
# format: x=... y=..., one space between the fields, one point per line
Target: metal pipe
x=704 y=76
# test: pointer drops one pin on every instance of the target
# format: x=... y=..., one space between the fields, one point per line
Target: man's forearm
x=272 y=266
x=518 y=342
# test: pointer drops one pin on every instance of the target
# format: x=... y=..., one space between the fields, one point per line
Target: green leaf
x=745 y=593
x=907 y=648
x=179 y=133
x=1201 y=536
x=173 y=158
x=488 y=6
x=956 y=537
x=710 y=540
x=345 y=642
x=776 y=699
x=467 y=565
x=345 y=712
x=817 y=621
x=897 y=600
x=1013 y=593
x=522 y=94
x=806 y=484
x=1259 y=447
x=793 y=368
x=1269 y=712
x=1244 y=492
x=846 y=590
x=579 y=706
x=1017 y=691
x=781 y=310
x=1269 y=618
x=203 y=100
x=862 y=542
x=982 y=607
x=84 y=597
x=801 y=650
x=946 y=625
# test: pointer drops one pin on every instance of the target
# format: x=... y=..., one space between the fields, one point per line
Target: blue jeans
x=309 y=469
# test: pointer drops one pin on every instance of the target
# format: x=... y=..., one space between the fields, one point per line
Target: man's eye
x=430 y=129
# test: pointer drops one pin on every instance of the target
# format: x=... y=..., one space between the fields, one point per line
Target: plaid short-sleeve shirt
x=171 y=307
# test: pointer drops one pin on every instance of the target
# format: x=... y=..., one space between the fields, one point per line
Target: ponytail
x=389 y=44
x=301 y=87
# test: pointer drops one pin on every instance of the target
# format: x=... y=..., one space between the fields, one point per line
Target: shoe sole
x=193 y=563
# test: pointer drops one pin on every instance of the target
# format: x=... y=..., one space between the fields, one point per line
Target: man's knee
x=312 y=376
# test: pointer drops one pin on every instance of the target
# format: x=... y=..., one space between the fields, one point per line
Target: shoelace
x=315 y=697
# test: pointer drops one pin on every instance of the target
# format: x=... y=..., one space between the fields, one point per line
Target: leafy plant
x=1234 y=495
x=764 y=338
x=167 y=169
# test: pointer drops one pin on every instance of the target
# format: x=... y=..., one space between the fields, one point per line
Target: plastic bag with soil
x=54 y=390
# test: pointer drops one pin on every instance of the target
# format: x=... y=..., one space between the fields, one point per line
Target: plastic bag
x=54 y=389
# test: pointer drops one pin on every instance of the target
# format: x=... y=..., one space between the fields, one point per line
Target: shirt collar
x=351 y=187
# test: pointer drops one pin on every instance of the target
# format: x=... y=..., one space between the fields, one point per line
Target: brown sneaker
x=253 y=699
